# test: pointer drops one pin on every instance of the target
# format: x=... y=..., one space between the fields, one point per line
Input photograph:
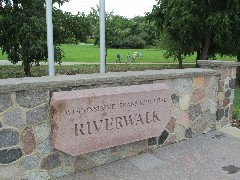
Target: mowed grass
x=90 y=53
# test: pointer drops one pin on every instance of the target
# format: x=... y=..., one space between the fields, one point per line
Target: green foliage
x=207 y=27
x=38 y=71
x=236 y=107
x=23 y=32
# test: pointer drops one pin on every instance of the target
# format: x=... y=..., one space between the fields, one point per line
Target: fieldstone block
x=200 y=125
x=37 y=115
x=226 y=102
x=31 y=99
x=228 y=93
x=83 y=164
x=152 y=141
x=189 y=133
x=42 y=131
x=139 y=145
x=10 y=171
x=220 y=114
x=198 y=95
x=213 y=107
x=14 y=117
x=198 y=82
x=51 y=162
x=179 y=132
x=30 y=162
x=38 y=175
x=207 y=81
x=171 y=125
x=171 y=139
x=175 y=98
x=211 y=94
x=232 y=83
x=45 y=147
x=163 y=137
x=184 y=119
x=226 y=113
x=181 y=86
x=5 y=101
x=8 y=138
x=194 y=111
x=10 y=155
x=184 y=101
x=68 y=160
x=176 y=111
x=28 y=140
x=103 y=156
x=58 y=173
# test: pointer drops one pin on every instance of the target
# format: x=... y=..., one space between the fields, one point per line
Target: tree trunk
x=198 y=58
x=238 y=70
x=205 y=47
x=180 y=64
x=27 y=67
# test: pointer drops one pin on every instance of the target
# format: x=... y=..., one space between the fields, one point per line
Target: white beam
x=49 y=23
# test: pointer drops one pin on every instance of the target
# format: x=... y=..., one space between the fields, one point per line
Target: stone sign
x=94 y=119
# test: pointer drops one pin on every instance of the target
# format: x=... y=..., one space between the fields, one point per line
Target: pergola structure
x=49 y=7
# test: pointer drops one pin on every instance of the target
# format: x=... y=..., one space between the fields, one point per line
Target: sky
x=127 y=8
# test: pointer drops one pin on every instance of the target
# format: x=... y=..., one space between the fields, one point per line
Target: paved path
x=213 y=156
x=6 y=62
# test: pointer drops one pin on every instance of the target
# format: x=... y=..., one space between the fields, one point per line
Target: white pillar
x=102 y=37
x=50 y=38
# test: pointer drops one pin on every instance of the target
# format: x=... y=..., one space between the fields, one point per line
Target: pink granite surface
x=94 y=119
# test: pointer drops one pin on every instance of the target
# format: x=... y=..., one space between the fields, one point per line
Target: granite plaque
x=89 y=120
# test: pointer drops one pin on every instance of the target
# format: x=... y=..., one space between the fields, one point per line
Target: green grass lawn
x=90 y=53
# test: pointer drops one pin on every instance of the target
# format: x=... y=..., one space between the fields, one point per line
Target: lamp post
x=102 y=37
x=49 y=23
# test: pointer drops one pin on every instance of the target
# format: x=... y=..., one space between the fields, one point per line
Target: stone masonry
x=201 y=100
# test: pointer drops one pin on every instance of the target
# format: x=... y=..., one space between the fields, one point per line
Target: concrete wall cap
x=218 y=63
x=43 y=83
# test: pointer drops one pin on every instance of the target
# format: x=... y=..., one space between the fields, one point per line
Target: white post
x=102 y=37
x=50 y=38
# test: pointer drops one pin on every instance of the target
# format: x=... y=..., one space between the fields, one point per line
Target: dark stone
x=175 y=98
x=8 y=138
x=163 y=137
x=51 y=162
x=37 y=115
x=226 y=112
x=171 y=125
x=231 y=169
x=28 y=140
x=232 y=83
x=83 y=164
x=226 y=102
x=220 y=114
x=1 y=125
x=228 y=93
x=152 y=141
x=31 y=99
x=10 y=155
x=5 y=101
x=194 y=111
x=67 y=88
x=189 y=133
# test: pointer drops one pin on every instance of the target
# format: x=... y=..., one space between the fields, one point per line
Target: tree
x=200 y=26
x=23 y=32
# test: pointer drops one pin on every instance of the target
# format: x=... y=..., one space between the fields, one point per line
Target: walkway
x=6 y=62
x=213 y=156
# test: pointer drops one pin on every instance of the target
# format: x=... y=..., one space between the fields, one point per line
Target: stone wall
x=202 y=98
